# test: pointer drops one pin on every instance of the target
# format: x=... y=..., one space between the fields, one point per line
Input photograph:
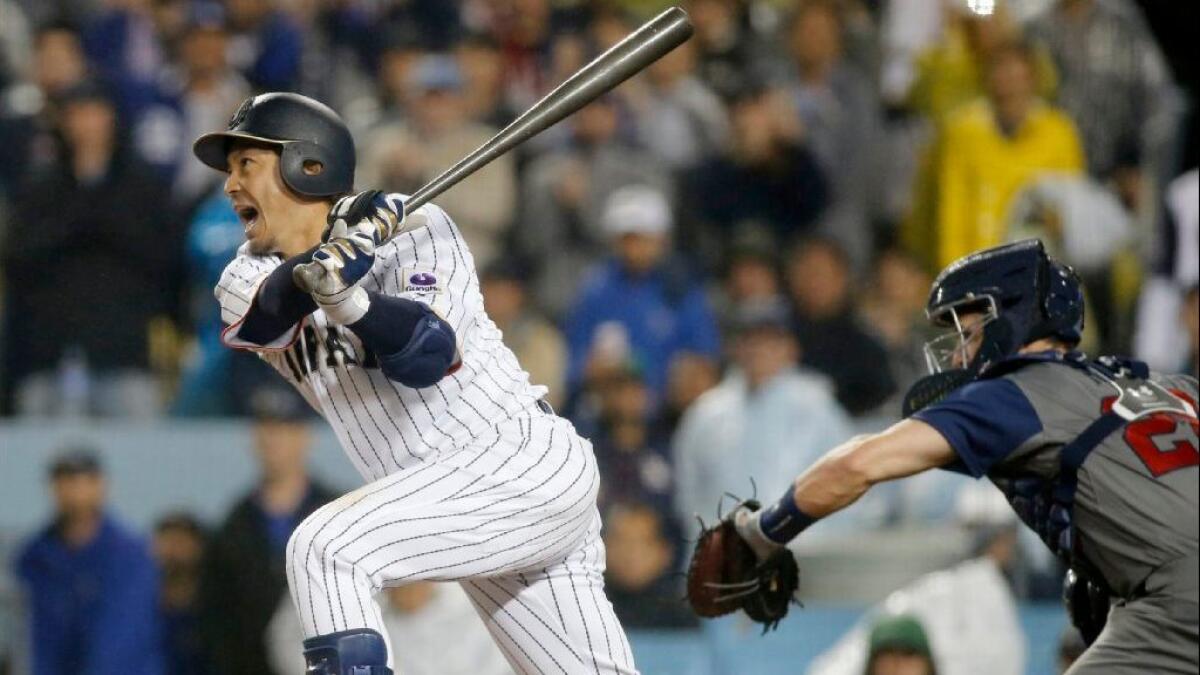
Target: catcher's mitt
x=725 y=575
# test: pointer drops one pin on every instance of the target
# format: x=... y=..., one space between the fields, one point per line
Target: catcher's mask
x=991 y=304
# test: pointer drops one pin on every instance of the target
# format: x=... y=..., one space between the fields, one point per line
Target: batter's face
x=276 y=220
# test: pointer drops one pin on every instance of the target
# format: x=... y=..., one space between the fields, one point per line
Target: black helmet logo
x=240 y=115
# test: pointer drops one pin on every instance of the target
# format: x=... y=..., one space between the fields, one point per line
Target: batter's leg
x=555 y=619
x=523 y=500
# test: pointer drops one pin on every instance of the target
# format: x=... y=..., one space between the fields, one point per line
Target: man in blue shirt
x=90 y=584
x=640 y=305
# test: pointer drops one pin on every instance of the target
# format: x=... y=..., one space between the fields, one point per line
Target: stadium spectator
x=524 y=30
x=992 y=149
x=1084 y=224
x=949 y=74
x=831 y=335
x=564 y=194
x=899 y=646
x=98 y=244
x=265 y=44
x=678 y=118
x=641 y=303
x=1117 y=88
x=968 y=611
x=15 y=44
x=1176 y=267
x=122 y=43
x=766 y=420
x=178 y=548
x=893 y=310
x=216 y=380
x=688 y=378
x=29 y=116
x=483 y=81
x=437 y=133
x=243 y=576
x=399 y=49
x=90 y=584
x=639 y=581
x=1191 y=324
x=538 y=344
x=769 y=178
x=198 y=95
x=336 y=62
x=842 y=121
x=727 y=49
x=633 y=457
x=751 y=276
x=433 y=627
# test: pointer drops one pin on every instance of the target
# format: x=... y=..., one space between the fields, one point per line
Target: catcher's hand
x=725 y=573
x=372 y=213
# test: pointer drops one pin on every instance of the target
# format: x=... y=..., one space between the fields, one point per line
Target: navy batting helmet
x=304 y=130
x=1023 y=294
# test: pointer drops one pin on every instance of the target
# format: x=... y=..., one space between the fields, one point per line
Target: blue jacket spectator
x=639 y=305
x=215 y=373
x=91 y=585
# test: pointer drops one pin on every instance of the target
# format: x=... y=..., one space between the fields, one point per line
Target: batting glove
x=334 y=276
x=376 y=214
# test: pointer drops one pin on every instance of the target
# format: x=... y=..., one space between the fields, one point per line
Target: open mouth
x=248 y=215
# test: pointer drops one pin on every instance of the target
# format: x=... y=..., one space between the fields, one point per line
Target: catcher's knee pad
x=361 y=651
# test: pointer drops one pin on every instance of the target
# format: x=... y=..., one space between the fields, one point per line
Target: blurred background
x=718 y=270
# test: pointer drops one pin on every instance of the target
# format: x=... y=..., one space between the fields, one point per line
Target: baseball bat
x=638 y=50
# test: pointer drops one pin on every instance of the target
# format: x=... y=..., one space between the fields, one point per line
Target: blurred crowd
x=718 y=269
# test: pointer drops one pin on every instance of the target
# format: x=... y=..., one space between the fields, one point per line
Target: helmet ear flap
x=292 y=158
x=1062 y=301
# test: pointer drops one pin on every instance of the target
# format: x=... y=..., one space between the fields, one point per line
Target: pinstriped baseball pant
x=512 y=518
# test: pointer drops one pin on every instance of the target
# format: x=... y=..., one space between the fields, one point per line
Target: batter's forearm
x=278 y=305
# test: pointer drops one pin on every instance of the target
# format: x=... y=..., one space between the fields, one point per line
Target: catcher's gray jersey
x=1103 y=464
x=1135 y=508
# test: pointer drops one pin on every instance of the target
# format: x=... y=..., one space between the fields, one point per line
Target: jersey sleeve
x=984 y=422
x=235 y=293
x=429 y=262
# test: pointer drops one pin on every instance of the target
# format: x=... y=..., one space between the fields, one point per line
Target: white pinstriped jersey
x=385 y=426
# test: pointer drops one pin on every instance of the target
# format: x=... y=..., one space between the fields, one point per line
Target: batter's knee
x=304 y=546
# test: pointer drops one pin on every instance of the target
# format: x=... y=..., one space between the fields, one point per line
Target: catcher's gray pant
x=1157 y=633
x=512 y=518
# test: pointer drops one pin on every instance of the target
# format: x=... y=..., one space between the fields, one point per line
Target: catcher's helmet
x=304 y=130
x=1025 y=295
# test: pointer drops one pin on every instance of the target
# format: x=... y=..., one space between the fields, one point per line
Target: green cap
x=899 y=633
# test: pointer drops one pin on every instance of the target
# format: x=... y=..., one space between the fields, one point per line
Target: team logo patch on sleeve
x=419 y=281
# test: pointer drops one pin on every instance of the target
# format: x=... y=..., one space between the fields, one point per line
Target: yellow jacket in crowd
x=981 y=170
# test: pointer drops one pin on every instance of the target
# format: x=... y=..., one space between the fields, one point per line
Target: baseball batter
x=378 y=321
x=1098 y=456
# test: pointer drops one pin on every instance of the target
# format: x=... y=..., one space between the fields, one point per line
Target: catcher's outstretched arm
x=843 y=475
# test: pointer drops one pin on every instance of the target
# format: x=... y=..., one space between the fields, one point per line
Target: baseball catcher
x=1098 y=456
